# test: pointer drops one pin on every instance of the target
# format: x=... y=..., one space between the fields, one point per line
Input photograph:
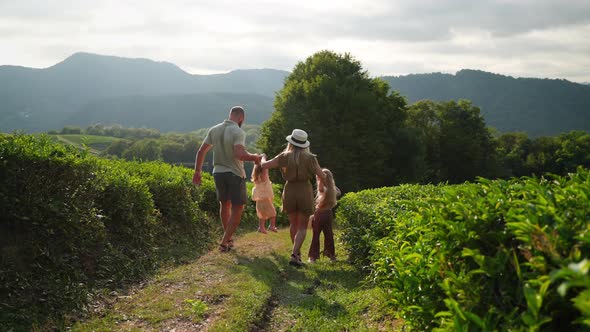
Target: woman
x=298 y=167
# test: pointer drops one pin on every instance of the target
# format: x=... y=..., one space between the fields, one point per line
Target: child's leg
x=273 y=226
x=314 y=248
x=261 y=227
x=329 y=250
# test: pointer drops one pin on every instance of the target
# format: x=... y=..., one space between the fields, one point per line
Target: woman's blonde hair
x=295 y=153
x=328 y=196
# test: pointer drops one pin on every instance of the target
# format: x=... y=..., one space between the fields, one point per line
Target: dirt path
x=251 y=288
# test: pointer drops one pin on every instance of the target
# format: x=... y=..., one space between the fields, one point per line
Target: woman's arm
x=273 y=163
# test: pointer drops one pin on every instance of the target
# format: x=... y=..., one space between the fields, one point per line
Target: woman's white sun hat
x=298 y=138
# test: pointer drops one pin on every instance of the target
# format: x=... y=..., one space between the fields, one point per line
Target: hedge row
x=72 y=224
x=494 y=255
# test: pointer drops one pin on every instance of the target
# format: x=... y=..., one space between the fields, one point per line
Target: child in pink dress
x=262 y=193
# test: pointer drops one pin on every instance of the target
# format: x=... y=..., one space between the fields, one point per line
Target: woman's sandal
x=295 y=261
x=224 y=247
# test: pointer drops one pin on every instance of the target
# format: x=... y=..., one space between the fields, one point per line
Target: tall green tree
x=458 y=145
x=424 y=117
x=352 y=120
x=117 y=148
x=146 y=150
x=574 y=151
x=541 y=156
x=512 y=150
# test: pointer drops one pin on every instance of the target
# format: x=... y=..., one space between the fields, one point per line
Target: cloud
x=389 y=37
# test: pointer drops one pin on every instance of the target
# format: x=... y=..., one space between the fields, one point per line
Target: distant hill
x=88 y=88
x=172 y=112
x=42 y=99
x=536 y=106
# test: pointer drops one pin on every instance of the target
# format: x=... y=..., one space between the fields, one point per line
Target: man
x=228 y=141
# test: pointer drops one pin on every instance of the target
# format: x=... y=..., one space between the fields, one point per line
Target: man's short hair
x=237 y=110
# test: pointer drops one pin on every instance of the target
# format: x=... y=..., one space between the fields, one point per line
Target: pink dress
x=262 y=193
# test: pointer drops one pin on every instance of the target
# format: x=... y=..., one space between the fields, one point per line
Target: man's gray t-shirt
x=223 y=147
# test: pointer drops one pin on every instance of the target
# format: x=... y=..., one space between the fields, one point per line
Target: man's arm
x=240 y=153
x=199 y=159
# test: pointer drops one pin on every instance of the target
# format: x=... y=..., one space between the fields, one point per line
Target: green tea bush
x=50 y=228
x=182 y=224
x=72 y=224
x=495 y=255
x=368 y=215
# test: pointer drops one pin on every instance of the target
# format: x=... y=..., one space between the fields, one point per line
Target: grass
x=96 y=144
x=88 y=139
x=328 y=296
x=250 y=288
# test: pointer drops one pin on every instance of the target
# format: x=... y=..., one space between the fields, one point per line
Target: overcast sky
x=524 y=38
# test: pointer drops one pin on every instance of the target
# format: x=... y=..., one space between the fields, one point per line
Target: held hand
x=197 y=178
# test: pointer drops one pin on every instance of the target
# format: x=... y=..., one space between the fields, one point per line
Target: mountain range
x=535 y=106
x=87 y=88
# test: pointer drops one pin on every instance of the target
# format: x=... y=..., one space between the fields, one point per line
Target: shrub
x=50 y=228
x=367 y=215
x=72 y=224
x=176 y=200
x=507 y=255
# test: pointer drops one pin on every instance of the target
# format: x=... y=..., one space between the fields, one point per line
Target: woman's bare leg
x=301 y=232
x=293 y=226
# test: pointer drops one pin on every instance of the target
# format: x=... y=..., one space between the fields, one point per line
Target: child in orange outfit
x=263 y=195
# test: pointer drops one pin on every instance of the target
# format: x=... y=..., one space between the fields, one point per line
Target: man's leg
x=224 y=213
x=222 y=191
x=238 y=198
x=234 y=221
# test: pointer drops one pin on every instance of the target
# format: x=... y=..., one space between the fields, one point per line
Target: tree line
x=112 y=131
x=370 y=136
